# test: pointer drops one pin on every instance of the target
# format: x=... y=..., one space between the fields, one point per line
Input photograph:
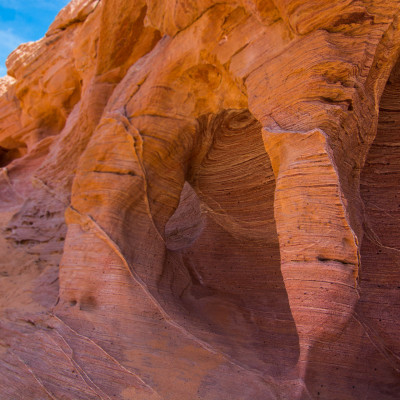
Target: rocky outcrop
x=199 y=200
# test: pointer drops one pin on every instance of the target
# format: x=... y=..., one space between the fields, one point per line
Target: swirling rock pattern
x=200 y=200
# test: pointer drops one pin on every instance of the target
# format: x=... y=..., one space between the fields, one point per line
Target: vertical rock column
x=319 y=250
x=318 y=113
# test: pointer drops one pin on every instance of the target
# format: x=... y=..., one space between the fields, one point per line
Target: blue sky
x=23 y=21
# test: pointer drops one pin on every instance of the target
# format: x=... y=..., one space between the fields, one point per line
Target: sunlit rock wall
x=200 y=200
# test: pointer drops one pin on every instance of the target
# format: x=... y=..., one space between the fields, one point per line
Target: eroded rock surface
x=200 y=200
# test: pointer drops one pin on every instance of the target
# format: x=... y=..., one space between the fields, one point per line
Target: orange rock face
x=200 y=200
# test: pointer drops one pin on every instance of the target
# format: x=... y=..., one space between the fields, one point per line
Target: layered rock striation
x=200 y=200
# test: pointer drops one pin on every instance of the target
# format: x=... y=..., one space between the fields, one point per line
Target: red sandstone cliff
x=200 y=200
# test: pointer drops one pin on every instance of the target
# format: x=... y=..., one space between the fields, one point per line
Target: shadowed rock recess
x=200 y=200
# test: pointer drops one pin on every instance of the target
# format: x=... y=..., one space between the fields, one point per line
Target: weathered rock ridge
x=200 y=200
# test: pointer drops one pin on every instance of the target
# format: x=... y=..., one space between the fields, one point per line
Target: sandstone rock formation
x=200 y=200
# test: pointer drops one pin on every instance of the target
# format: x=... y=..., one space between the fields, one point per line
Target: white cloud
x=23 y=21
x=3 y=70
x=19 y=5
x=9 y=41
